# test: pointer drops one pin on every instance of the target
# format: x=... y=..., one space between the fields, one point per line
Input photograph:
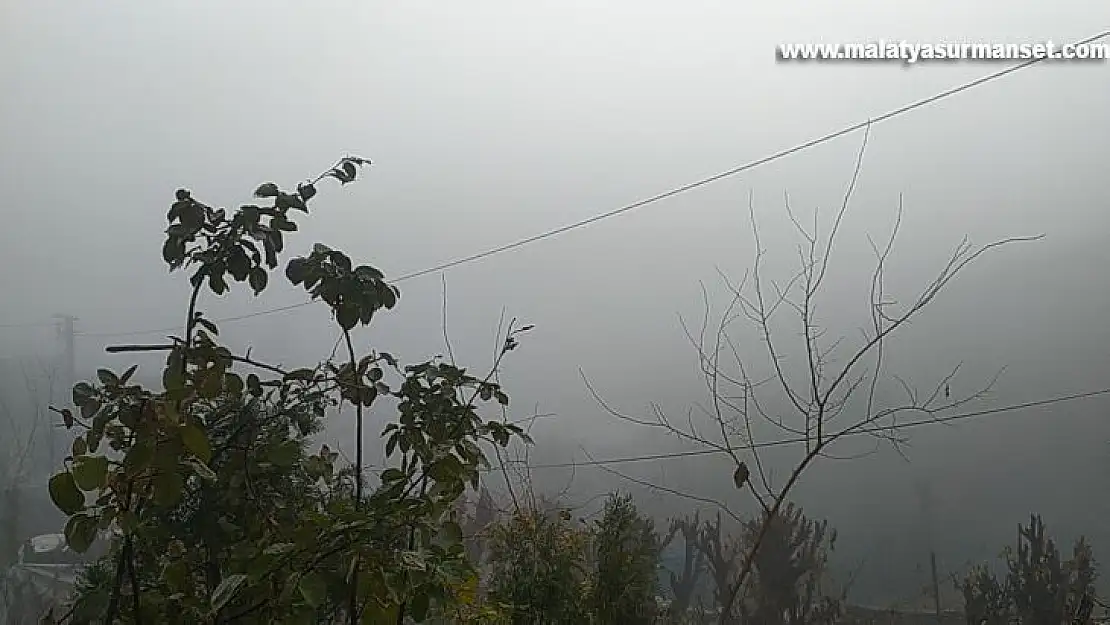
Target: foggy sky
x=492 y=121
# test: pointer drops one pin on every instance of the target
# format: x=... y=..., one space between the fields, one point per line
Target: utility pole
x=69 y=353
x=69 y=373
x=926 y=500
x=936 y=585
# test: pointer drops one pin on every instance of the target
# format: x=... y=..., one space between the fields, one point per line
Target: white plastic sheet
x=29 y=591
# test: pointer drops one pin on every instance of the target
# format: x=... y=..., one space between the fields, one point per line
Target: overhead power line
x=660 y=196
x=178 y=328
x=40 y=324
x=799 y=440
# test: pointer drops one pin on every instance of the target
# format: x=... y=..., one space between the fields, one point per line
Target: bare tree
x=830 y=395
x=24 y=419
x=722 y=553
x=685 y=584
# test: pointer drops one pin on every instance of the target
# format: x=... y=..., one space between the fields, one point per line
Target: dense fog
x=492 y=122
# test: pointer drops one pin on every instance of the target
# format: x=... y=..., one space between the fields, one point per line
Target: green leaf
x=413 y=561
x=80 y=532
x=167 y=488
x=258 y=279
x=227 y=590
x=191 y=215
x=90 y=408
x=254 y=385
x=217 y=283
x=446 y=469
x=279 y=548
x=368 y=273
x=341 y=261
x=251 y=215
x=420 y=607
x=313 y=589
x=388 y=295
x=377 y=614
x=127 y=374
x=297 y=270
x=107 y=377
x=65 y=494
x=208 y=325
x=93 y=438
x=238 y=264
x=296 y=202
x=196 y=441
x=173 y=251
x=268 y=189
x=275 y=238
x=203 y=470
x=139 y=456
x=176 y=575
x=392 y=475
x=283 y=224
x=90 y=472
x=173 y=376
x=302 y=375
x=284 y=454
x=347 y=315
x=452 y=532
x=128 y=521
x=367 y=395
x=79 y=448
x=307 y=191
x=233 y=383
x=82 y=393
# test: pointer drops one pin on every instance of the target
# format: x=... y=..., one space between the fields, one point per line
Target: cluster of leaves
x=216 y=511
x=204 y=236
x=264 y=492
x=790 y=568
x=684 y=584
x=549 y=568
x=538 y=566
x=1039 y=587
x=626 y=555
x=355 y=294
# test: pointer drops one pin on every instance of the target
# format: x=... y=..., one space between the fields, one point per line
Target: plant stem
x=135 y=601
x=411 y=546
x=749 y=559
x=117 y=585
x=353 y=607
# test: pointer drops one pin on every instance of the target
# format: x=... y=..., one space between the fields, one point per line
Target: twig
x=115 y=349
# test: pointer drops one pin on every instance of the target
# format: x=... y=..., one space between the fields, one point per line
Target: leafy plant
x=986 y=600
x=1039 y=588
x=626 y=554
x=685 y=584
x=218 y=511
x=790 y=571
x=538 y=568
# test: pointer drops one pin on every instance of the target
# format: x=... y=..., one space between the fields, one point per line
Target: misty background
x=489 y=122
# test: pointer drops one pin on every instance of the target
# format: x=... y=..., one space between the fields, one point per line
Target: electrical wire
x=39 y=324
x=658 y=197
x=799 y=440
